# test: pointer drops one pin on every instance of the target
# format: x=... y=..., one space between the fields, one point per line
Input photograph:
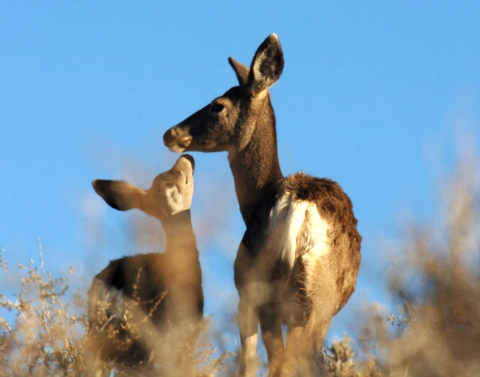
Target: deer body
x=164 y=291
x=299 y=258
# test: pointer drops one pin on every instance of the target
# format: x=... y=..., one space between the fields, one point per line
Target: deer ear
x=119 y=194
x=241 y=71
x=267 y=65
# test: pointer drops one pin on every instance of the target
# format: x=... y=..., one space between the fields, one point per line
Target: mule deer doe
x=164 y=291
x=299 y=258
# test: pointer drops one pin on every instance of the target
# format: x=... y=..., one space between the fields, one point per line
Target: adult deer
x=163 y=292
x=299 y=258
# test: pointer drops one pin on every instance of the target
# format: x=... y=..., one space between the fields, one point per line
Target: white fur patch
x=286 y=220
x=174 y=199
x=314 y=241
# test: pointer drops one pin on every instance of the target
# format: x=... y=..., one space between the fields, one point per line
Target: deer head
x=229 y=121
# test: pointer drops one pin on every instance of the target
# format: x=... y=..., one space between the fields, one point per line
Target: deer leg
x=303 y=345
x=292 y=348
x=271 y=326
x=248 y=327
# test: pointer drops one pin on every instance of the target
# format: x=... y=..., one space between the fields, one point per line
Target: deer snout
x=176 y=140
x=169 y=136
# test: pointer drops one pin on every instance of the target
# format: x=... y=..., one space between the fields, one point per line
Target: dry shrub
x=48 y=333
x=45 y=336
x=117 y=327
x=438 y=282
x=434 y=276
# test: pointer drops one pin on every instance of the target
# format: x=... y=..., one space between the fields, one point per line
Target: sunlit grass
x=435 y=330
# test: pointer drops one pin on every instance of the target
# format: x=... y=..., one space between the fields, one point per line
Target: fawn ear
x=267 y=65
x=119 y=194
x=241 y=71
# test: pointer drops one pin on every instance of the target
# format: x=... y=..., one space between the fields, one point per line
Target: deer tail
x=286 y=220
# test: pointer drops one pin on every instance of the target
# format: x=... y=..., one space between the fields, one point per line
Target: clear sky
x=373 y=95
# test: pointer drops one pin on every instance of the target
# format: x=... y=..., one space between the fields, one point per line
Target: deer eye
x=216 y=108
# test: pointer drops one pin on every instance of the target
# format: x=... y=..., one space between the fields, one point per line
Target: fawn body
x=299 y=258
x=164 y=291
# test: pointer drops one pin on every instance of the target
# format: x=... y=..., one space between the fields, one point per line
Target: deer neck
x=255 y=166
x=179 y=233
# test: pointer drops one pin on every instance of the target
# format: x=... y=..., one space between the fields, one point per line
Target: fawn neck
x=179 y=233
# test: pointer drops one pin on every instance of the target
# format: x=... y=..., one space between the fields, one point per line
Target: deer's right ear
x=241 y=71
x=267 y=65
x=119 y=194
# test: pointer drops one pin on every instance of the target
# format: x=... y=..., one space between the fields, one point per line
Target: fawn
x=164 y=291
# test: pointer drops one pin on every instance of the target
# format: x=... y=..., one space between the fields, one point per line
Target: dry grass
x=51 y=335
x=46 y=336
x=434 y=276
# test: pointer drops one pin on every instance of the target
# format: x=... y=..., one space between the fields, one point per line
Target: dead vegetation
x=434 y=277
x=435 y=331
x=45 y=334
x=45 y=331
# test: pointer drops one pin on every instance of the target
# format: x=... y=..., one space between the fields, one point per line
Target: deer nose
x=170 y=136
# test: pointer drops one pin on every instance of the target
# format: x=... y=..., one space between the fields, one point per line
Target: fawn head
x=171 y=192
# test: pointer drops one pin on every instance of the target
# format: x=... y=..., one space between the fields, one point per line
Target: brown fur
x=335 y=207
x=272 y=291
x=163 y=292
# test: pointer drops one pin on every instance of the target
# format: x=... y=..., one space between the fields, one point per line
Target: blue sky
x=375 y=95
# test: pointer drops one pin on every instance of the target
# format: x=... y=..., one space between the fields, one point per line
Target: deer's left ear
x=267 y=65
x=119 y=194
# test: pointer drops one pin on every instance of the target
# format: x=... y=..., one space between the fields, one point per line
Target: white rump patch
x=286 y=220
